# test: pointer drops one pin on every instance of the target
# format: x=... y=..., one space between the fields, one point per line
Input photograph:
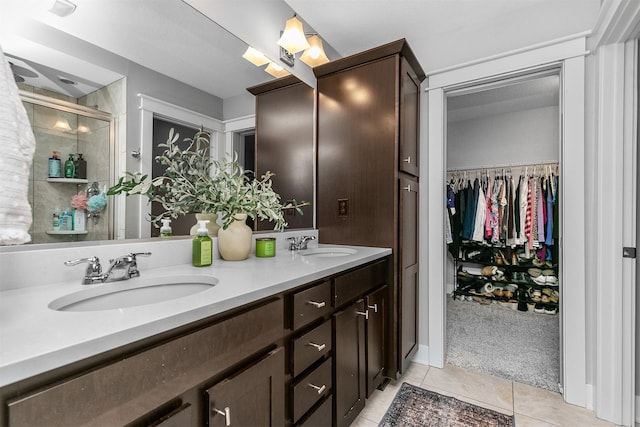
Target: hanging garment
x=481 y=213
x=533 y=182
x=518 y=219
x=528 y=223
x=541 y=203
x=495 y=210
x=488 y=204
x=524 y=188
x=470 y=211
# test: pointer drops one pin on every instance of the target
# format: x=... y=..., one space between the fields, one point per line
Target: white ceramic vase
x=212 y=226
x=234 y=243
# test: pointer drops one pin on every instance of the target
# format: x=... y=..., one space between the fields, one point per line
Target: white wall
x=513 y=138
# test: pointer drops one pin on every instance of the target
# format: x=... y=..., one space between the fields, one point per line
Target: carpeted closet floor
x=516 y=345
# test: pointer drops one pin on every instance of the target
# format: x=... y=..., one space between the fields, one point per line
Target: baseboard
x=449 y=288
x=589 y=393
x=637 y=409
x=422 y=355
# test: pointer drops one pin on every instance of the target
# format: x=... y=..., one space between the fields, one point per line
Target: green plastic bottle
x=70 y=167
x=202 y=248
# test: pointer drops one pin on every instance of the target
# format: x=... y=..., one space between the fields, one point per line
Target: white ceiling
x=173 y=38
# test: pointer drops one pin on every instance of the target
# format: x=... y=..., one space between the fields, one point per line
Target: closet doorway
x=503 y=261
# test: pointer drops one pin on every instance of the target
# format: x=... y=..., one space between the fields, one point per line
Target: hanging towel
x=18 y=143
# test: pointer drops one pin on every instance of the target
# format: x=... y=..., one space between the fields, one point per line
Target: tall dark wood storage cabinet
x=367 y=172
x=284 y=143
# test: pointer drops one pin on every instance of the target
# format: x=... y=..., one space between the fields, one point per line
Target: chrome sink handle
x=124 y=267
x=94 y=269
x=299 y=243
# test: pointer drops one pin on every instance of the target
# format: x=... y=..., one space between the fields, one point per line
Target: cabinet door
x=408 y=280
x=349 y=348
x=376 y=306
x=252 y=397
x=409 y=119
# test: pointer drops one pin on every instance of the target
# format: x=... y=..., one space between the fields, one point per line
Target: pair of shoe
x=546 y=280
x=542 y=308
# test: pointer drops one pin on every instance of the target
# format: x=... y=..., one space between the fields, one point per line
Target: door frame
x=570 y=53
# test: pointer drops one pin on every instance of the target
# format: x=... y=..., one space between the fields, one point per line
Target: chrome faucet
x=299 y=243
x=121 y=268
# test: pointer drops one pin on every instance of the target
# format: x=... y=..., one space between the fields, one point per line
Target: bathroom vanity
x=296 y=339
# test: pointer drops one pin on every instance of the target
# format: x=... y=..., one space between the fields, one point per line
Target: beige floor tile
x=379 y=402
x=550 y=407
x=473 y=385
x=415 y=374
x=524 y=421
x=363 y=422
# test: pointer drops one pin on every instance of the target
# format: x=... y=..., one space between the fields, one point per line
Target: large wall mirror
x=105 y=59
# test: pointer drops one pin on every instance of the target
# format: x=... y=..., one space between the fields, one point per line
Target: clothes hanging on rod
x=499 y=207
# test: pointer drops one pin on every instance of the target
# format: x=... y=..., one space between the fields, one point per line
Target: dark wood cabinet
x=368 y=120
x=350 y=371
x=252 y=397
x=284 y=143
x=376 y=329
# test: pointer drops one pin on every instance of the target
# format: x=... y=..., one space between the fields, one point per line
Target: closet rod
x=507 y=165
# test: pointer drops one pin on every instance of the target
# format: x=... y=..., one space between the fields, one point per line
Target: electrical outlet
x=343 y=208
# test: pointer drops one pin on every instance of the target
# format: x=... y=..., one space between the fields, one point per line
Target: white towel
x=18 y=145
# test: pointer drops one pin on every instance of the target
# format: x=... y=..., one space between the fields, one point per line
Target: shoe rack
x=508 y=277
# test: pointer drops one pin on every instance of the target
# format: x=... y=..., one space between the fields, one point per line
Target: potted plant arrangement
x=189 y=186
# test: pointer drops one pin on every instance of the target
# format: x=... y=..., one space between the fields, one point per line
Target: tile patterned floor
x=532 y=407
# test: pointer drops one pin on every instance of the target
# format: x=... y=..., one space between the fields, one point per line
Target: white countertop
x=35 y=338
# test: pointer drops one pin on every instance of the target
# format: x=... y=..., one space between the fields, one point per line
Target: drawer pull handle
x=374 y=307
x=363 y=313
x=407 y=160
x=316 y=304
x=226 y=414
x=318 y=347
x=408 y=187
x=319 y=389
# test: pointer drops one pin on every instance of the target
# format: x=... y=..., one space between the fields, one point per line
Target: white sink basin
x=327 y=252
x=133 y=292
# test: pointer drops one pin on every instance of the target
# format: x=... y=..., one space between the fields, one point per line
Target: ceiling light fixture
x=62 y=8
x=276 y=70
x=315 y=54
x=63 y=125
x=256 y=57
x=293 y=39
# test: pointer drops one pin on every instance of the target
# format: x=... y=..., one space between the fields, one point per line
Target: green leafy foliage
x=189 y=186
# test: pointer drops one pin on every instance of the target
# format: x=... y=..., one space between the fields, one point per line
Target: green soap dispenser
x=70 y=167
x=202 y=248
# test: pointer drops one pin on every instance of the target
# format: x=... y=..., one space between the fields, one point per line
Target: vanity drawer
x=310 y=389
x=322 y=416
x=311 y=304
x=310 y=347
x=351 y=285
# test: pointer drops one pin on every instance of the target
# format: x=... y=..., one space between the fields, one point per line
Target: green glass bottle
x=70 y=167
x=202 y=247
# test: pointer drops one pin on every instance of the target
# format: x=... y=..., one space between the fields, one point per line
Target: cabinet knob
x=317 y=388
x=226 y=414
x=363 y=313
x=374 y=307
x=317 y=304
x=318 y=347
x=407 y=160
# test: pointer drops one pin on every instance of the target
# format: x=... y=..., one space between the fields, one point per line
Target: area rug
x=414 y=406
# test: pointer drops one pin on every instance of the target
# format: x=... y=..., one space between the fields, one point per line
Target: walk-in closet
x=502 y=231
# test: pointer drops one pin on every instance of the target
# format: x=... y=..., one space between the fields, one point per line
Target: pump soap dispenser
x=202 y=247
x=165 y=230
x=70 y=167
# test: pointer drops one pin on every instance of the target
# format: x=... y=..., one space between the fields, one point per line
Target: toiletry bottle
x=69 y=167
x=54 y=166
x=165 y=230
x=56 y=221
x=81 y=167
x=202 y=250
